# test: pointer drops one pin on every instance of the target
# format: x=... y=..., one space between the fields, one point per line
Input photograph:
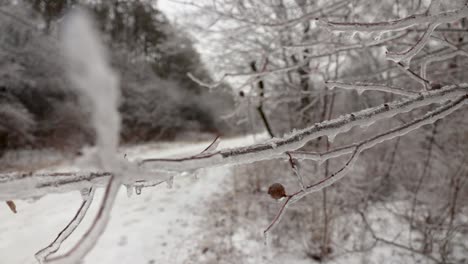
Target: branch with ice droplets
x=277 y=147
x=357 y=148
x=20 y=186
x=361 y=87
x=395 y=25
x=44 y=253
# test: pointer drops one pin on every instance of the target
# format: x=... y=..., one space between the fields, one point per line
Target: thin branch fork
x=19 y=186
x=356 y=149
x=295 y=168
x=90 y=237
x=407 y=55
x=392 y=243
x=44 y=253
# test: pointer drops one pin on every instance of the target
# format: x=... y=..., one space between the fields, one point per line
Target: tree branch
x=18 y=186
x=361 y=87
x=396 y=25
x=42 y=254
x=356 y=149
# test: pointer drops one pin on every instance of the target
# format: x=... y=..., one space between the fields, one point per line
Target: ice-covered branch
x=405 y=69
x=433 y=7
x=277 y=147
x=43 y=254
x=251 y=75
x=89 y=239
x=356 y=149
x=361 y=87
x=91 y=74
x=439 y=57
x=396 y=25
x=31 y=185
x=406 y=56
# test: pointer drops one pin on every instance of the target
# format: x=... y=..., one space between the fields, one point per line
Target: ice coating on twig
x=395 y=25
x=361 y=87
x=42 y=254
x=89 y=239
x=406 y=56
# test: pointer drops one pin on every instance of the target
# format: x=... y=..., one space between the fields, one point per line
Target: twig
x=212 y=146
x=396 y=25
x=360 y=87
x=18 y=185
x=392 y=243
x=405 y=68
x=89 y=239
x=406 y=56
x=53 y=247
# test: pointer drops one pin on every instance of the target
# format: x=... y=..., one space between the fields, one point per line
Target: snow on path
x=158 y=226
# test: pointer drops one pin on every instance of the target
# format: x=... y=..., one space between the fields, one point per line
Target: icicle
x=366 y=125
x=170 y=182
x=360 y=91
x=138 y=189
x=266 y=239
x=351 y=35
x=331 y=137
x=320 y=161
x=378 y=36
x=195 y=176
x=129 y=190
x=273 y=145
x=84 y=193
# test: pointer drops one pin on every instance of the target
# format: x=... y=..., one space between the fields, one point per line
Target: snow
x=158 y=226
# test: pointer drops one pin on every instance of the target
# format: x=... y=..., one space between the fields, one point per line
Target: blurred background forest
x=152 y=57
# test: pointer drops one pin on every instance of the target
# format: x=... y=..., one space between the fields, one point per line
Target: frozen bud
x=12 y=206
x=276 y=191
x=436 y=86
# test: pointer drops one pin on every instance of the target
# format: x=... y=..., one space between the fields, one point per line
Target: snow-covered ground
x=160 y=225
x=172 y=225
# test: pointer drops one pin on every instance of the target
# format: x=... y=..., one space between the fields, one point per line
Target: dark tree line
x=152 y=57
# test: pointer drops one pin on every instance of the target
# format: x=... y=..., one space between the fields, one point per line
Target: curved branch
x=42 y=254
x=406 y=56
x=89 y=239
